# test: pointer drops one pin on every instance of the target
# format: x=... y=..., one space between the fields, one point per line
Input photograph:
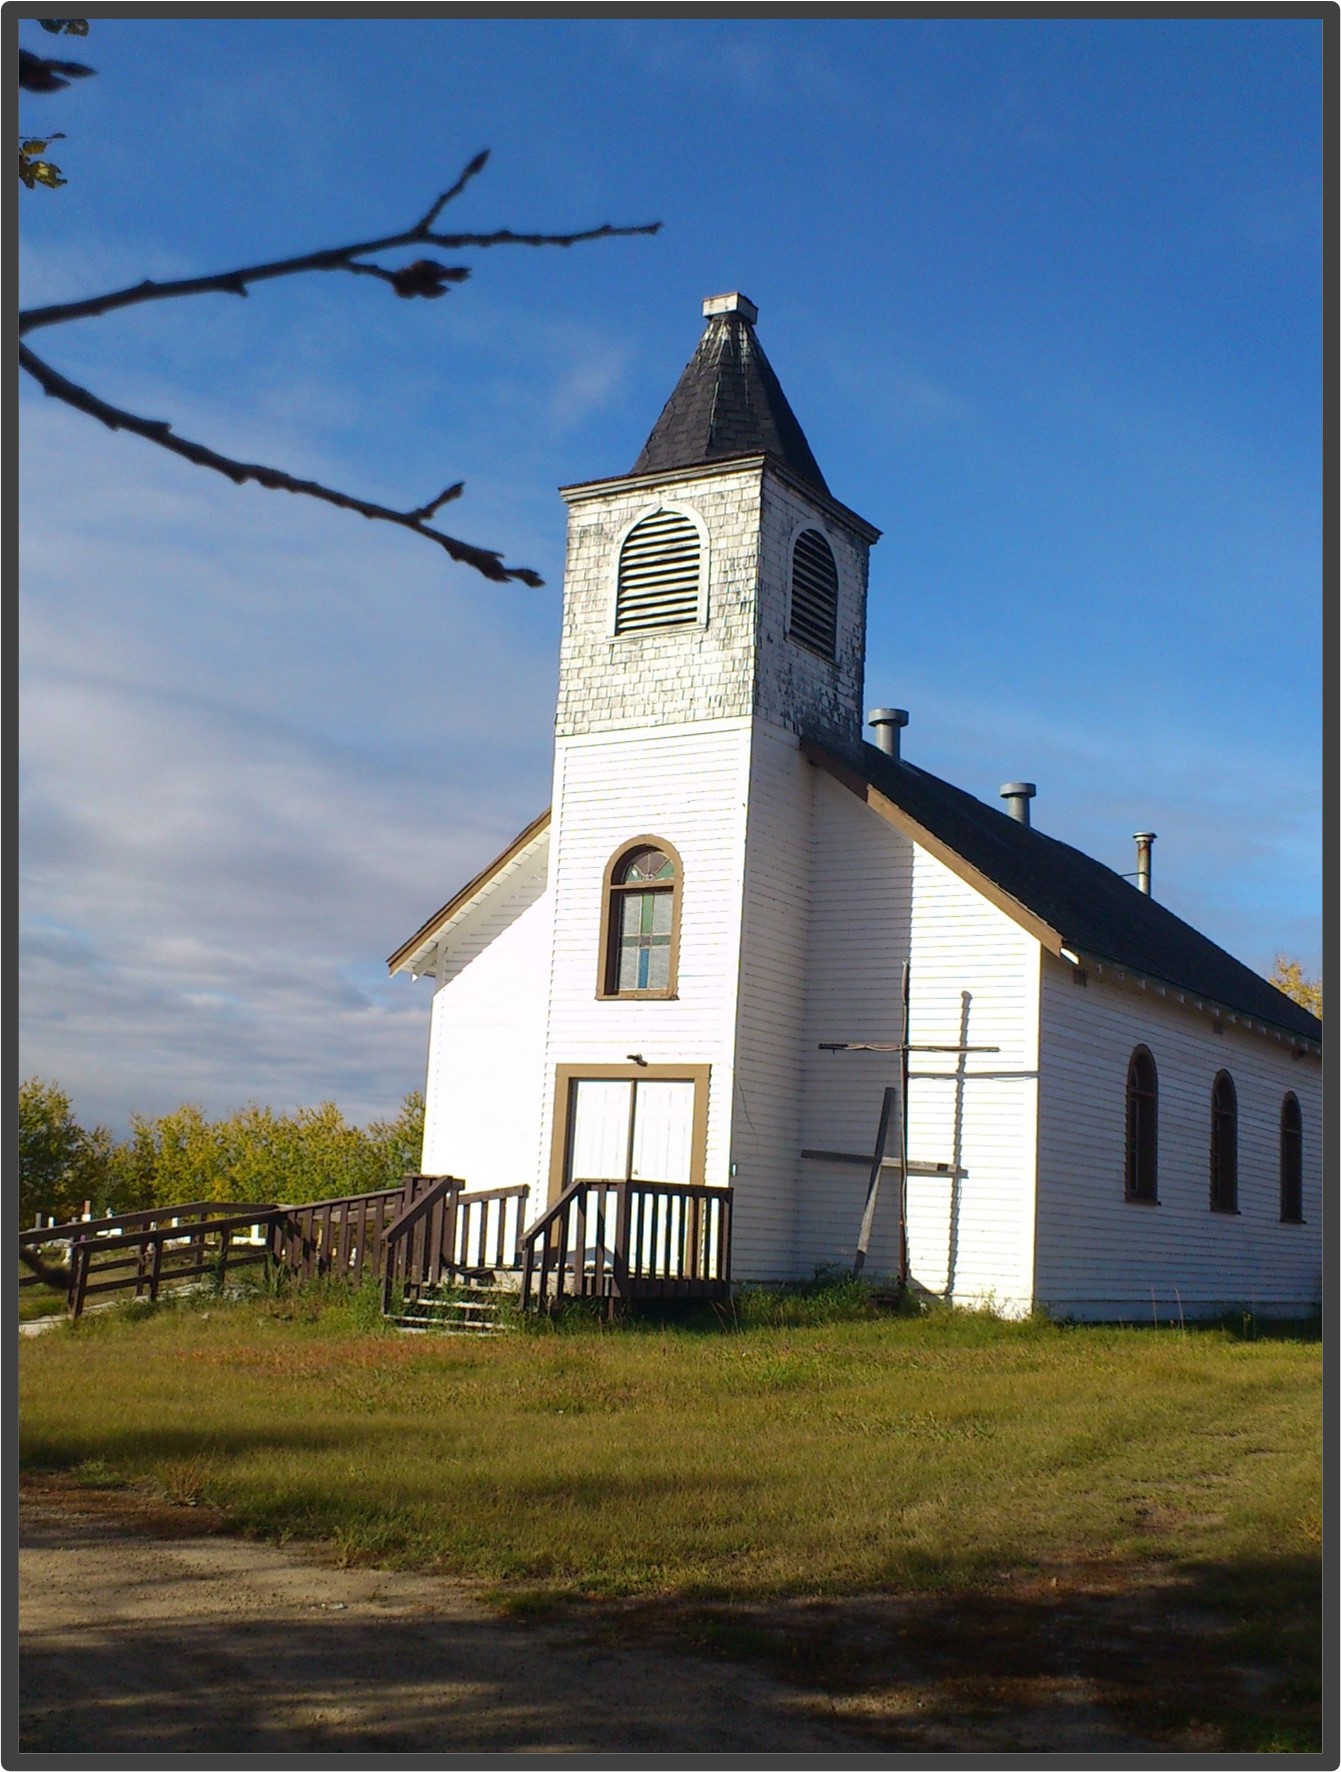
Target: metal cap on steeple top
x=734 y=303
x=728 y=403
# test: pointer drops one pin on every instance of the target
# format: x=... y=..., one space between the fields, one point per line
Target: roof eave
x=582 y=490
x=431 y=932
x=1120 y=972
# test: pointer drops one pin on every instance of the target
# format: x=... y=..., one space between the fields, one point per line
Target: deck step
x=433 y=1314
x=440 y=1326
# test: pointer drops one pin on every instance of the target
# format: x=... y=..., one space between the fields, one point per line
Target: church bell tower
x=718 y=578
x=714 y=615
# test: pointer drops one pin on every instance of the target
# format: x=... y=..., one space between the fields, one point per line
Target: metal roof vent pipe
x=1143 y=840
x=887 y=723
x=1017 y=795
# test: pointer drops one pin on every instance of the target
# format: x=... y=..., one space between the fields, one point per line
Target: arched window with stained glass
x=642 y=894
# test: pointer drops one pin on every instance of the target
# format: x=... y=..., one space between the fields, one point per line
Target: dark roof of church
x=727 y=403
x=1092 y=908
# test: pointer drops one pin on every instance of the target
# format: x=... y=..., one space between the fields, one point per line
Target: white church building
x=681 y=988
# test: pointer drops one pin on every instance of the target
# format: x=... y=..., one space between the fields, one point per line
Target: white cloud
x=256 y=753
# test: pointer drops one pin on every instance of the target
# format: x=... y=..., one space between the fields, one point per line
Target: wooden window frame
x=565 y=1075
x=1142 y=1152
x=811 y=528
x=1291 y=1160
x=607 y=977
x=1224 y=1152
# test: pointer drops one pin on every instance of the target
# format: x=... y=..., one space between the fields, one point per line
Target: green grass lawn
x=938 y=1457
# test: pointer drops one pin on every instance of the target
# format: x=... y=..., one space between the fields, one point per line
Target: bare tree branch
x=436 y=208
x=423 y=277
x=484 y=560
x=333 y=258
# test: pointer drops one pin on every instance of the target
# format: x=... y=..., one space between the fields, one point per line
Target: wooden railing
x=414 y=1243
x=488 y=1229
x=422 y=1231
x=148 y=1219
x=445 y=1232
x=344 y=1238
x=629 y=1239
x=142 y=1252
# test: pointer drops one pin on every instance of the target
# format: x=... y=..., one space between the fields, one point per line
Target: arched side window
x=1224 y=1144
x=1291 y=1161
x=814 y=612
x=660 y=574
x=1142 y=1127
x=642 y=921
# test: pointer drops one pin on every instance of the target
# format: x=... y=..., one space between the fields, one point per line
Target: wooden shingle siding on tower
x=610 y=681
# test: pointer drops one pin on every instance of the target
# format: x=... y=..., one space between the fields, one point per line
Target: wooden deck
x=619 y=1241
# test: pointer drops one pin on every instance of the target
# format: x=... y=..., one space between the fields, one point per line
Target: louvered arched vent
x=814 y=593
x=658 y=574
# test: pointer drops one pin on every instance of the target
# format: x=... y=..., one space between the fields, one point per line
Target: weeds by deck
x=748 y=1462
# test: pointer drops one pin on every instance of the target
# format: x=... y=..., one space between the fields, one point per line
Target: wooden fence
x=143 y=1252
x=344 y=1238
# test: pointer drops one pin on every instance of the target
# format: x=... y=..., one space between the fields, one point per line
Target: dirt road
x=144 y=1629
x=136 y=1638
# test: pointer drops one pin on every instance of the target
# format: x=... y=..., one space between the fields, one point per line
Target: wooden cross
x=893 y=1130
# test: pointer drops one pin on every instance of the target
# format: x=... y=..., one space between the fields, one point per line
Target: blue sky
x=1044 y=294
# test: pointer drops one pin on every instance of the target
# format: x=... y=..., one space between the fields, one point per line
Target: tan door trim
x=565 y=1075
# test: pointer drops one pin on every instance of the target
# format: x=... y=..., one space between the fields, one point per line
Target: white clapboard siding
x=687 y=786
x=486 y=1046
x=492 y=910
x=876 y=899
x=1099 y=1254
x=766 y=1136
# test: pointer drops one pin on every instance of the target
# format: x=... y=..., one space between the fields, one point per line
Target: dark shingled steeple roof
x=728 y=402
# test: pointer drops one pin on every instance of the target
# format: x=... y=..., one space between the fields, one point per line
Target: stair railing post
x=527 y=1261
x=620 y=1264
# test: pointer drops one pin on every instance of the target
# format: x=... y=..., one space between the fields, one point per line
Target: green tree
x=60 y=1163
x=166 y=1161
x=1289 y=976
x=257 y=1155
x=251 y=1156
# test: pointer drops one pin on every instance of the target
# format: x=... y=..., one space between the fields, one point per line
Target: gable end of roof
x=430 y=932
